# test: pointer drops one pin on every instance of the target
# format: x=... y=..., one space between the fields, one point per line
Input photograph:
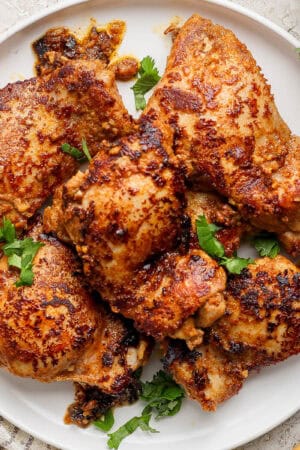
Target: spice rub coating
x=124 y=209
x=226 y=125
x=261 y=326
x=54 y=330
x=37 y=116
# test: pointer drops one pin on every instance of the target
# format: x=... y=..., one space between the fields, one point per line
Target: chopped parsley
x=148 y=77
x=210 y=244
x=266 y=245
x=163 y=397
x=20 y=253
x=81 y=155
x=128 y=428
x=107 y=422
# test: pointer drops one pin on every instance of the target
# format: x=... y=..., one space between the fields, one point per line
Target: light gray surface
x=285 y=13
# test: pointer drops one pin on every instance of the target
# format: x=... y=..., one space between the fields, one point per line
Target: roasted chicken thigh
x=79 y=100
x=261 y=326
x=54 y=330
x=226 y=126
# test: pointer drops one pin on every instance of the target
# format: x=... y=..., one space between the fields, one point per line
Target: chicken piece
x=37 y=116
x=54 y=330
x=166 y=292
x=291 y=243
x=124 y=209
x=261 y=327
x=206 y=373
x=160 y=296
x=226 y=126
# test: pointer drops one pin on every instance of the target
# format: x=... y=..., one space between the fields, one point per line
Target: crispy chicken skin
x=124 y=209
x=161 y=294
x=167 y=292
x=37 y=116
x=55 y=331
x=261 y=327
x=226 y=126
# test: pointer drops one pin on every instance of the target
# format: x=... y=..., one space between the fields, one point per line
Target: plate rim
x=229 y=5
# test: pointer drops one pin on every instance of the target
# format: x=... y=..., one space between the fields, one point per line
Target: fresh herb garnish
x=148 y=77
x=210 y=244
x=163 y=395
x=164 y=398
x=80 y=155
x=128 y=428
x=107 y=422
x=266 y=245
x=20 y=253
x=86 y=150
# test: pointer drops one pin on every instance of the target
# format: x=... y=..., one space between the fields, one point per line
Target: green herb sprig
x=148 y=77
x=210 y=244
x=107 y=422
x=20 y=253
x=81 y=155
x=163 y=397
x=266 y=245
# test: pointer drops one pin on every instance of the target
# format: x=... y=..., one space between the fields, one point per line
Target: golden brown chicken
x=174 y=295
x=37 y=116
x=124 y=209
x=226 y=126
x=55 y=330
x=261 y=327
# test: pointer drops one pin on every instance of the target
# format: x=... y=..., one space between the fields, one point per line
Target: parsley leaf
x=163 y=395
x=7 y=231
x=235 y=264
x=206 y=237
x=148 y=77
x=128 y=428
x=86 y=150
x=20 y=253
x=210 y=244
x=267 y=245
x=107 y=422
x=81 y=155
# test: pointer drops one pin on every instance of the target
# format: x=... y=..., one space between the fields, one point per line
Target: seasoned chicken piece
x=54 y=330
x=123 y=210
x=166 y=292
x=226 y=126
x=261 y=327
x=216 y=210
x=37 y=116
x=160 y=295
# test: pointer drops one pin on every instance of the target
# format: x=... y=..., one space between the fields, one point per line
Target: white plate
x=267 y=398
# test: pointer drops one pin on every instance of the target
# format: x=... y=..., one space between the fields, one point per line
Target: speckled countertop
x=285 y=13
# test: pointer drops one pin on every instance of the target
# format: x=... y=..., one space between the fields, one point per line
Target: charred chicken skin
x=54 y=330
x=261 y=326
x=226 y=126
x=37 y=116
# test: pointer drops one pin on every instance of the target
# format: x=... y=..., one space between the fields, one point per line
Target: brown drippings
x=125 y=67
x=60 y=44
